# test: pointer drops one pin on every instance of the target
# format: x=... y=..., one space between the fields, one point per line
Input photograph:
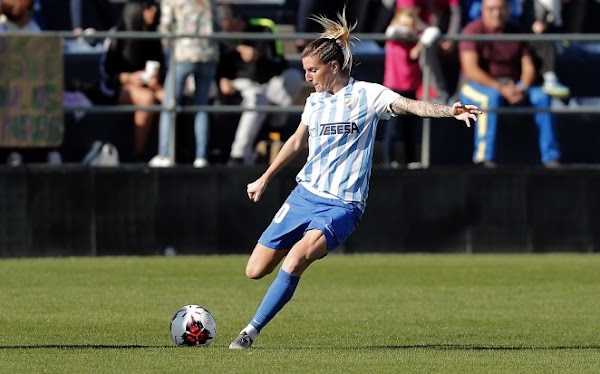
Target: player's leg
x=286 y=229
x=330 y=226
x=310 y=248
x=324 y=226
x=262 y=262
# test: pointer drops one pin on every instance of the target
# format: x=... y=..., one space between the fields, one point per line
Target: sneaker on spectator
x=556 y=89
x=553 y=87
x=159 y=161
x=200 y=163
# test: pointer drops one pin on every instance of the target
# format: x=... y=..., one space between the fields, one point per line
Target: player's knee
x=296 y=265
x=254 y=272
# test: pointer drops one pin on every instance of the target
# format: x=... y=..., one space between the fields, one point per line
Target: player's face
x=321 y=76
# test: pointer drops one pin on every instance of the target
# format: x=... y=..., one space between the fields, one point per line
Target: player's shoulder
x=368 y=86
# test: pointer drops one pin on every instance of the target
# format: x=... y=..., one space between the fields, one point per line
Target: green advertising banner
x=31 y=91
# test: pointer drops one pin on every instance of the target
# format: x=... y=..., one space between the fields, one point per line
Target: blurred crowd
x=250 y=72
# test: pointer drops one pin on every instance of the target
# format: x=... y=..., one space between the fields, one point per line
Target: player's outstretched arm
x=429 y=109
x=296 y=143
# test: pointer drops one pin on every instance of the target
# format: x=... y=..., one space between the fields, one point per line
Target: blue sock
x=277 y=296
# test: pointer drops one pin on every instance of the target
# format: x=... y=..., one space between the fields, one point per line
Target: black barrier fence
x=81 y=211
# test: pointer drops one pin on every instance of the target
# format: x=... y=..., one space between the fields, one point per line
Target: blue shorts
x=303 y=211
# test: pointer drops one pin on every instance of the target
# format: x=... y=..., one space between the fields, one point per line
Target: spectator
x=17 y=15
x=472 y=9
x=540 y=16
x=123 y=80
x=258 y=71
x=445 y=15
x=193 y=56
x=402 y=74
x=498 y=73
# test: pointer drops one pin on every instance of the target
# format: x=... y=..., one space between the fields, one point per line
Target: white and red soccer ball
x=193 y=326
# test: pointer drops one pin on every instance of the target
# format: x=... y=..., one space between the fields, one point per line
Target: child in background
x=405 y=24
x=403 y=74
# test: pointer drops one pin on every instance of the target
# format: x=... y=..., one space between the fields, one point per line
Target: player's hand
x=256 y=189
x=465 y=113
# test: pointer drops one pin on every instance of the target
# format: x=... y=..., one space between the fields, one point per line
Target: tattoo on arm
x=420 y=108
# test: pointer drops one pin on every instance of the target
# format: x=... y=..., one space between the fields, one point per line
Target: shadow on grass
x=466 y=347
x=83 y=346
x=440 y=347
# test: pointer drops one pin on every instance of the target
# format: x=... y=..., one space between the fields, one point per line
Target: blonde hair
x=334 y=43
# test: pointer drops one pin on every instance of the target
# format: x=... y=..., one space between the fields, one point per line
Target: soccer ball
x=193 y=326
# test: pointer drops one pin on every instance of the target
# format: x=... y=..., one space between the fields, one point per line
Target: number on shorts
x=280 y=215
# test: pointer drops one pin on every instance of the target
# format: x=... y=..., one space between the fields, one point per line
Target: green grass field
x=350 y=313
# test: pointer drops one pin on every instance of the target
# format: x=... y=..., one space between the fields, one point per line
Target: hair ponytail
x=335 y=41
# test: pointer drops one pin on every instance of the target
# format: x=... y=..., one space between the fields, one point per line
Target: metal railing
x=293 y=36
x=174 y=108
x=306 y=36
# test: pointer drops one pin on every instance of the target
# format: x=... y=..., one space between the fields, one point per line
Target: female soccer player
x=338 y=125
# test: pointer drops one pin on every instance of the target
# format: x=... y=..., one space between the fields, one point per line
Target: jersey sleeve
x=383 y=100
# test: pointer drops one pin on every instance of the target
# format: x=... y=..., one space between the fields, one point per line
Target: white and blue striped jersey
x=342 y=130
